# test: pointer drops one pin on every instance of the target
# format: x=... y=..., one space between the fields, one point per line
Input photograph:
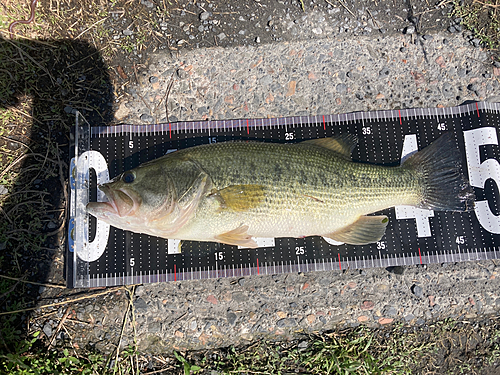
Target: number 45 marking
x=420 y=215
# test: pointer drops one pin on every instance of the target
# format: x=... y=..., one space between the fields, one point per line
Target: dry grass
x=482 y=18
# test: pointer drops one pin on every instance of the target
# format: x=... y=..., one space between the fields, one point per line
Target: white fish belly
x=308 y=216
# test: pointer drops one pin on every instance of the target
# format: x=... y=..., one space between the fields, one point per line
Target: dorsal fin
x=343 y=144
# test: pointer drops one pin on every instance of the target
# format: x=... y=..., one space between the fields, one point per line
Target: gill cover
x=156 y=198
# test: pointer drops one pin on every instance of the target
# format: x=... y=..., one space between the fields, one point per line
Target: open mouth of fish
x=119 y=202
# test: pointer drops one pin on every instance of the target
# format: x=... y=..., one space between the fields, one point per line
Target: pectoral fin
x=238 y=237
x=367 y=229
x=240 y=197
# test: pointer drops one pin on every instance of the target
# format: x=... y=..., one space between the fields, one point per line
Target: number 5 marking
x=480 y=172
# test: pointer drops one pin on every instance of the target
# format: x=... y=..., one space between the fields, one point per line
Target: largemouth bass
x=231 y=192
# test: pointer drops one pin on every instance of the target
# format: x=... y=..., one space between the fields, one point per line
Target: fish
x=233 y=192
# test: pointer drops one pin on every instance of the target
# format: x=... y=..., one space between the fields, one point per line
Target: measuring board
x=101 y=255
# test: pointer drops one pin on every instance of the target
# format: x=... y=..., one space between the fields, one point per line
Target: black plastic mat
x=114 y=257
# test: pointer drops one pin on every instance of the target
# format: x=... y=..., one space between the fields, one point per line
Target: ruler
x=101 y=255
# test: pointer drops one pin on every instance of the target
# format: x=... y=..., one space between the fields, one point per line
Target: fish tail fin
x=438 y=165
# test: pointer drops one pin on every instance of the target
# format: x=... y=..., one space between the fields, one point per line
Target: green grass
x=445 y=347
x=351 y=351
x=41 y=362
x=482 y=18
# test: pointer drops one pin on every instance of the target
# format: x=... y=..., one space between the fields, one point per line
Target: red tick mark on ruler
x=175 y=272
x=324 y=125
x=340 y=264
x=420 y=255
x=248 y=128
x=400 y=121
x=477 y=109
x=170 y=129
x=258 y=272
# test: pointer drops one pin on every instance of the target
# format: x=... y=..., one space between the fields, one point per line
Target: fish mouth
x=120 y=202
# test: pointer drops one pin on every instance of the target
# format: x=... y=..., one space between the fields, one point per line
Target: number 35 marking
x=480 y=172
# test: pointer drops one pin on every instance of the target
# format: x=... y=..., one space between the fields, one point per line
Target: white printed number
x=299 y=250
x=130 y=144
x=460 y=240
x=441 y=126
x=480 y=172
x=420 y=215
x=381 y=245
x=132 y=262
x=89 y=251
x=219 y=255
x=212 y=140
x=366 y=130
x=289 y=136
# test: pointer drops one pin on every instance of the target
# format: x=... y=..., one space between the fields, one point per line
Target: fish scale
x=117 y=257
x=316 y=185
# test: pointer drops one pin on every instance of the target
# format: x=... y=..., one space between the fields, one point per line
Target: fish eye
x=128 y=177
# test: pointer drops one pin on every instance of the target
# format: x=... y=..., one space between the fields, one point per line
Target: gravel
x=341 y=88
x=417 y=290
x=47 y=329
x=409 y=30
x=204 y=16
x=147 y=118
x=222 y=312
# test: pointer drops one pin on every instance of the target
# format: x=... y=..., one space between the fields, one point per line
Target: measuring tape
x=101 y=255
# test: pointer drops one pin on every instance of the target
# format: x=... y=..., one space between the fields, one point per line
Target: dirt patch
x=482 y=19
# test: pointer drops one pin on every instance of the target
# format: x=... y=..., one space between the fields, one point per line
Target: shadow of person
x=42 y=85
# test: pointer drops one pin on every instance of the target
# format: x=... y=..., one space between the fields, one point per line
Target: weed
x=344 y=352
x=480 y=17
x=29 y=359
x=187 y=367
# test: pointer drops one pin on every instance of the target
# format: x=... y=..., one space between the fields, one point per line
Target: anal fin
x=238 y=237
x=365 y=230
